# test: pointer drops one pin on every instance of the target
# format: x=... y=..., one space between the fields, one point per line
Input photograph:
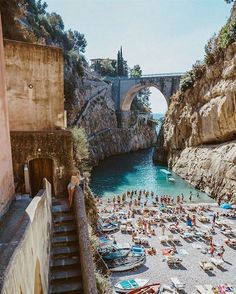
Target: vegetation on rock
x=214 y=51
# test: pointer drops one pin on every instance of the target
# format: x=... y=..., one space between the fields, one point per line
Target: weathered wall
x=6 y=172
x=28 y=268
x=35 y=86
x=57 y=145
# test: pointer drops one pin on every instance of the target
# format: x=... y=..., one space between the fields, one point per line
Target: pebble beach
x=191 y=250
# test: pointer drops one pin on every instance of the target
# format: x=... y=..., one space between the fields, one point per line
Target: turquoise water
x=136 y=171
x=158 y=116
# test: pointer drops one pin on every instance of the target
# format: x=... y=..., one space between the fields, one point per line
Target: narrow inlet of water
x=136 y=171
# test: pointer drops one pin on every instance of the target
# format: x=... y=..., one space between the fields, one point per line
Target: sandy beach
x=190 y=250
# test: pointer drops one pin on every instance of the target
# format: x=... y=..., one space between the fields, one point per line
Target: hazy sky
x=160 y=35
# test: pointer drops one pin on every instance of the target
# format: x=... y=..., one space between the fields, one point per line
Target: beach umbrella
x=226 y=206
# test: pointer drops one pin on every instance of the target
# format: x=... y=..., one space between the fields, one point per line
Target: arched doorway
x=40 y=168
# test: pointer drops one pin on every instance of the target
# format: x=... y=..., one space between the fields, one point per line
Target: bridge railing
x=168 y=74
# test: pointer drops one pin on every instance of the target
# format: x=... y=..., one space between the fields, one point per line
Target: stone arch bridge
x=124 y=90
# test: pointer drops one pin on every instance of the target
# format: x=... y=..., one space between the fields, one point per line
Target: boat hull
x=140 y=282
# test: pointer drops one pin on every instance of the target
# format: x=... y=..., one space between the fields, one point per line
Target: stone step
x=67 y=287
x=64 y=239
x=64 y=229
x=66 y=274
x=65 y=251
x=57 y=219
x=63 y=262
x=59 y=201
x=60 y=209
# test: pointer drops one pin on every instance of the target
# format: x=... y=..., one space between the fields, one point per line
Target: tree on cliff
x=11 y=11
x=136 y=71
x=105 y=67
x=141 y=100
x=122 y=67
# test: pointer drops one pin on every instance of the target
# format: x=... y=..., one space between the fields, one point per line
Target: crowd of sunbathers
x=141 y=197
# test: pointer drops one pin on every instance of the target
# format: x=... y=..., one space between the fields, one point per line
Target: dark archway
x=40 y=168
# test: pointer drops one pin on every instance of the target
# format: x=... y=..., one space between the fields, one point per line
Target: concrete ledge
x=87 y=265
x=24 y=262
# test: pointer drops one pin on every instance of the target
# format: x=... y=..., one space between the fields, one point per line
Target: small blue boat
x=138 y=250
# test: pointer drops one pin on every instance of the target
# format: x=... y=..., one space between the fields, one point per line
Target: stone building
x=34 y=139
x=41 y=147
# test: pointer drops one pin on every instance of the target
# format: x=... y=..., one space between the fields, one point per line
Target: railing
x=168 y=74
x=86 y=259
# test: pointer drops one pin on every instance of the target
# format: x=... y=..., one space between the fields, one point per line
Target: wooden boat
x=149 y=289
x=125 y=286
x=105 y=249
x=115 y=253
x=108 y=227
x=125 y=264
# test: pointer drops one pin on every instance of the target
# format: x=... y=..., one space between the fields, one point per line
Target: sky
x=159 y=35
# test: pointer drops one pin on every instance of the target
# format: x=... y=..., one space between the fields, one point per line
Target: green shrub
x=199 y=69
x=211 y=50
x=224 y=38
x=217 y=44
x=187 y=81
x=81 y=152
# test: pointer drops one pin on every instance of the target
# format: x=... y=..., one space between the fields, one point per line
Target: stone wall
x=57 y=145
x=28 y=268
x=6 y=172
x=35 y=86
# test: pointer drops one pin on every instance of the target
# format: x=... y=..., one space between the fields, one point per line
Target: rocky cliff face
x=119 y=140
x=199 y=121
x=93 y=109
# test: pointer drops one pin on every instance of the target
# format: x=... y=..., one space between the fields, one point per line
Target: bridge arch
x=127 y=99
x=125 y=89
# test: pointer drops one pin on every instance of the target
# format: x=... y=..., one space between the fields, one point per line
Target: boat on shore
x=107 y=227
x=126 y=264
x=149 y=289
x=137 y=250
x=128 y=285
x=115 y=252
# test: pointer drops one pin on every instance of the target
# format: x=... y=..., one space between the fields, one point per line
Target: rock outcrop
x=200 y=129
x=93 y=109
x=120 y=140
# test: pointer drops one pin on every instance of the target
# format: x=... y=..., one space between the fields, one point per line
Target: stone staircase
x=65 y=276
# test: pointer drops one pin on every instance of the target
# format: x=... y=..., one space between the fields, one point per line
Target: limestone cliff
x=93 y=109
x=119 y=140
x=200 y=128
